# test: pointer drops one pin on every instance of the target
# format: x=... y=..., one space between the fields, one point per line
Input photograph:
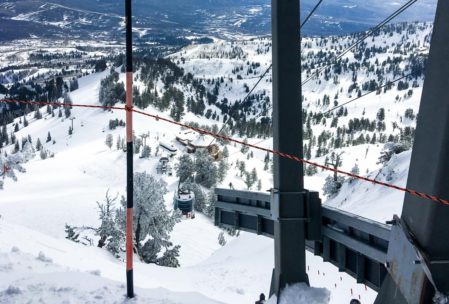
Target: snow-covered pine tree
x=37 y=114
x=242 y=167
x=248 y=180
x=170 y=257
x=152 y=221
x=146 y=152
x=109 y=141
x=38 y=145
x=211 y=200
x=225 y=152
x=355 y=170
x=391 y=148
x=310 y=170
x=185 y=168
x=253 y=176
x=68 y=101
x=118 y=142
x=200 y=197
x=16 y=147
x=222 y=170
x=71 y=234
x=206 y=171
x=43 y=154
x=108 y=227
x=244 y=148
x=331 y=186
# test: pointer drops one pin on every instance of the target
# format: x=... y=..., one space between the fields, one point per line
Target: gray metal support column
x=289 y=227
x=426 y=220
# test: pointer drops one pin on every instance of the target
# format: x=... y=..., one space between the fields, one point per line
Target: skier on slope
x=261 y=299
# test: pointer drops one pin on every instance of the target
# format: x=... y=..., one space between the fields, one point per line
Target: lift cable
x=268 y=69
x=361 y=39
x=387 y=84
x=240 y=142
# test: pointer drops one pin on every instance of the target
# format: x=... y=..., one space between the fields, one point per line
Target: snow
x=27 y=279
x=64 y=190
x=371 y=201
x=302 y=294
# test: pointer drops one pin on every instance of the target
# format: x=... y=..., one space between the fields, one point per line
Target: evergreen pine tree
x=43 y=154
x=48 y=137
x=206 y=171
x=185 y=168
x=109 y=141
x=38 y=145
x=355 y=170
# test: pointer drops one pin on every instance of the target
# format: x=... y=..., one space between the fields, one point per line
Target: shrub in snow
x=71 y=234
x=331 y=186
x=221 y=239
x=96 y=272
x=146 y=152
x=15 y=249
x=170 y=257
x=42 y=257
x=12 y=162
x=310 y=170
x=150 y=250
x=390 y=149
x=12 y=290
x=233 y=231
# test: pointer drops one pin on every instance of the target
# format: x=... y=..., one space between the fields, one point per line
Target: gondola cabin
x=163 y=165
x=184 y=200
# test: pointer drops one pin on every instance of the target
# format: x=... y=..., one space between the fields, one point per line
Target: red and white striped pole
x=129 y=151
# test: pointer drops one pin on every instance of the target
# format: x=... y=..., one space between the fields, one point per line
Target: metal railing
x=356 y=245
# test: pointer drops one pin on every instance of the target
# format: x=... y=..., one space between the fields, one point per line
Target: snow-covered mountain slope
x=64 y=189
x=357 y=130
x=157 y=19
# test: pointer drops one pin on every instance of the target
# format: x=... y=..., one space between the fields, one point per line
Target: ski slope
x=36 y=259
x=65 y=188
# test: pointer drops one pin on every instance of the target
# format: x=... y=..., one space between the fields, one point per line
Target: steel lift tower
x=407 y=261
x=418 y=255
x=288 y=178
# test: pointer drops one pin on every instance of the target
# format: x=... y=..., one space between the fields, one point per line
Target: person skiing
x=261 y=299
